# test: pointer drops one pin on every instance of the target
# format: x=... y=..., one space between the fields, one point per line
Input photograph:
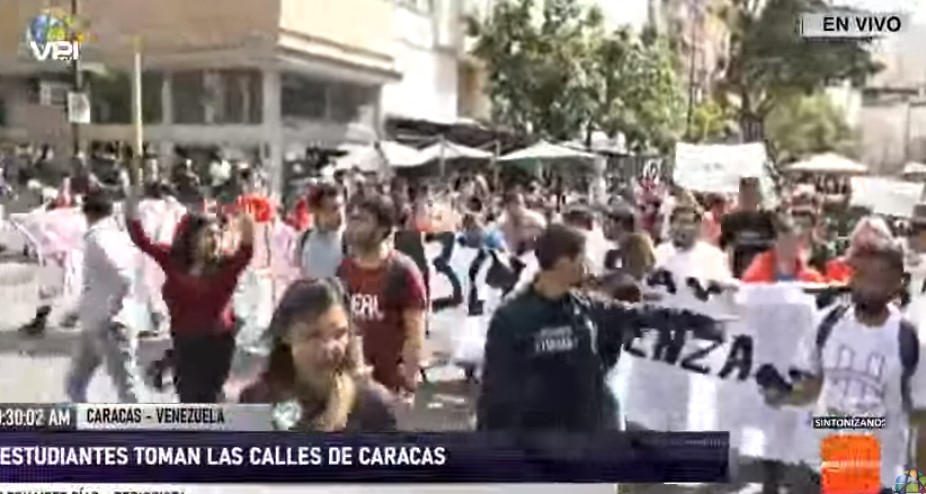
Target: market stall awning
x=379 y=155
x=448 y=151
x=914 y=168
x=829 y=163
x=544 y=151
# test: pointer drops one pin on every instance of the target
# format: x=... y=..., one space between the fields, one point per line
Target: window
x=303 y=97
x=350 y=103
x=111 y=98
x=188 y=93
x=241 y=97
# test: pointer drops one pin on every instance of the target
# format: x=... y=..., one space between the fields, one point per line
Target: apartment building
x=273 y=77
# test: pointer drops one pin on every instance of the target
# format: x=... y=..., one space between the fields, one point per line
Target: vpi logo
x=53 y=35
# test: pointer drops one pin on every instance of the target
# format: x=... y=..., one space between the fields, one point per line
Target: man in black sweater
x=550 y=346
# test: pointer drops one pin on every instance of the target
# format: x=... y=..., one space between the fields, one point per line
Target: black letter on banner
x=669 y=346
x=740 y=358
x=691 y=362
x=702 y=293
x=475 y=306
x=442 y=265
x=628 y=344
x=661 y=277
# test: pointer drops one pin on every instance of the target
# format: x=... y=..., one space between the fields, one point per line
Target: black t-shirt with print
x=747 y=233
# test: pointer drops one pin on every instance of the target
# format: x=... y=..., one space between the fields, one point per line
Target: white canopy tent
x=914 y=168
x=448 y=151
x=545 y=151
x=829 y=163
x=377 y=156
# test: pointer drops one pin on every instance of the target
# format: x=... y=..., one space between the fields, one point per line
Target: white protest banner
x=693 y=385
x=885 y=195
x=718 y=168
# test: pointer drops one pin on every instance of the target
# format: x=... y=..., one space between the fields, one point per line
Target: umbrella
x=373 y=157
x=452 y=151
x=914 y=168
x=829 y=163
x=545 y=151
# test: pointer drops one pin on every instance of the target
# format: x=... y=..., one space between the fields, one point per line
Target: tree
x=537 y=71
x=769 y=62
x=563 y=76
x=710 y=122
x=639 y=93
x=805 y=125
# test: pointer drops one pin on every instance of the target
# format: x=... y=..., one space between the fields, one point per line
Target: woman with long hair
x=315 y=376
x=199 y=280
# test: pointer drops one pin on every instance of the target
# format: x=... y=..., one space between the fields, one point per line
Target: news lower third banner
x=129 y=457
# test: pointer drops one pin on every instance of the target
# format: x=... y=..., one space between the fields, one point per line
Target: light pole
x=692 y=61
x=76 y=75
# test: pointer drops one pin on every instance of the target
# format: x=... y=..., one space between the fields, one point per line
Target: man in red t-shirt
x=387 y=296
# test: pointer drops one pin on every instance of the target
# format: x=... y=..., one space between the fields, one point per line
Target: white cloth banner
x=702 y=385
x=718 y=168
x=885 y=195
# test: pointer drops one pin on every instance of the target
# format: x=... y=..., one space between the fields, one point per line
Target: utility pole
x=692 y=61
x=77 y=77
x=137 y=113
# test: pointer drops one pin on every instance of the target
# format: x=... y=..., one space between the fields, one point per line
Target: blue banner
x=201 y=457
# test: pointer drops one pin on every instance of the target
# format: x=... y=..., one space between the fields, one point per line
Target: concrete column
x=272 y=124
x=166 y=148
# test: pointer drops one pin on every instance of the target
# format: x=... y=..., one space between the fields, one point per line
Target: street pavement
x=33 y=370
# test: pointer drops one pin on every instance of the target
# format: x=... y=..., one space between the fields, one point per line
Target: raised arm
x=159 y=252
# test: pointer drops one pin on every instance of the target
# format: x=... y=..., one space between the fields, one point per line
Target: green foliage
x=561 y=75
x=806 y=125
x=770 y=63
x=710 y=122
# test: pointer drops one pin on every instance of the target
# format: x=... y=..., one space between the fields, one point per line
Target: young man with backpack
x=387 y=297
x=863 y=359
x=321 y=248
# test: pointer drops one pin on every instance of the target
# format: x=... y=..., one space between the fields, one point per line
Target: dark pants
x=201 y=366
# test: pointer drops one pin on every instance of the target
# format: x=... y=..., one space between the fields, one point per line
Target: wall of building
x=427 y=59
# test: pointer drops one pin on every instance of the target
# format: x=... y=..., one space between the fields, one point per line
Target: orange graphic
x=851 y=464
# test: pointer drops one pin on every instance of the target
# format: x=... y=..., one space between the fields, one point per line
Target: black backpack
x=909 y=347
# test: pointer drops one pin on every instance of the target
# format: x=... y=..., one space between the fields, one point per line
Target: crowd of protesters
x=349 y=337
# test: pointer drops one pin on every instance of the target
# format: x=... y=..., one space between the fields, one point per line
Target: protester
x=477 y=235
x=749 y=230
x=863 y=359
x=786 y=260
x=869 y=231
x=519 y=225
x=316 y=366
x=199 y=283
x=687 y=255
x=550 y=347
x=320 y=250
x=634 y=253
x=107 y=333
x=388 y=299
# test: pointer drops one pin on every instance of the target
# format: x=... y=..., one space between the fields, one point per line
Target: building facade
x=269 y=76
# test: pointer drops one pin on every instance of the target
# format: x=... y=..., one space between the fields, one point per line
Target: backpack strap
x=909 y=345
x=829 y=322
x=304 y=237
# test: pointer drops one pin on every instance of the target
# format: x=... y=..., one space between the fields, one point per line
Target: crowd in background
x=367 y=231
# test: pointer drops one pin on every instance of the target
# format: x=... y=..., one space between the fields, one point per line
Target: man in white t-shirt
x=864 y=360
x=685 y=255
